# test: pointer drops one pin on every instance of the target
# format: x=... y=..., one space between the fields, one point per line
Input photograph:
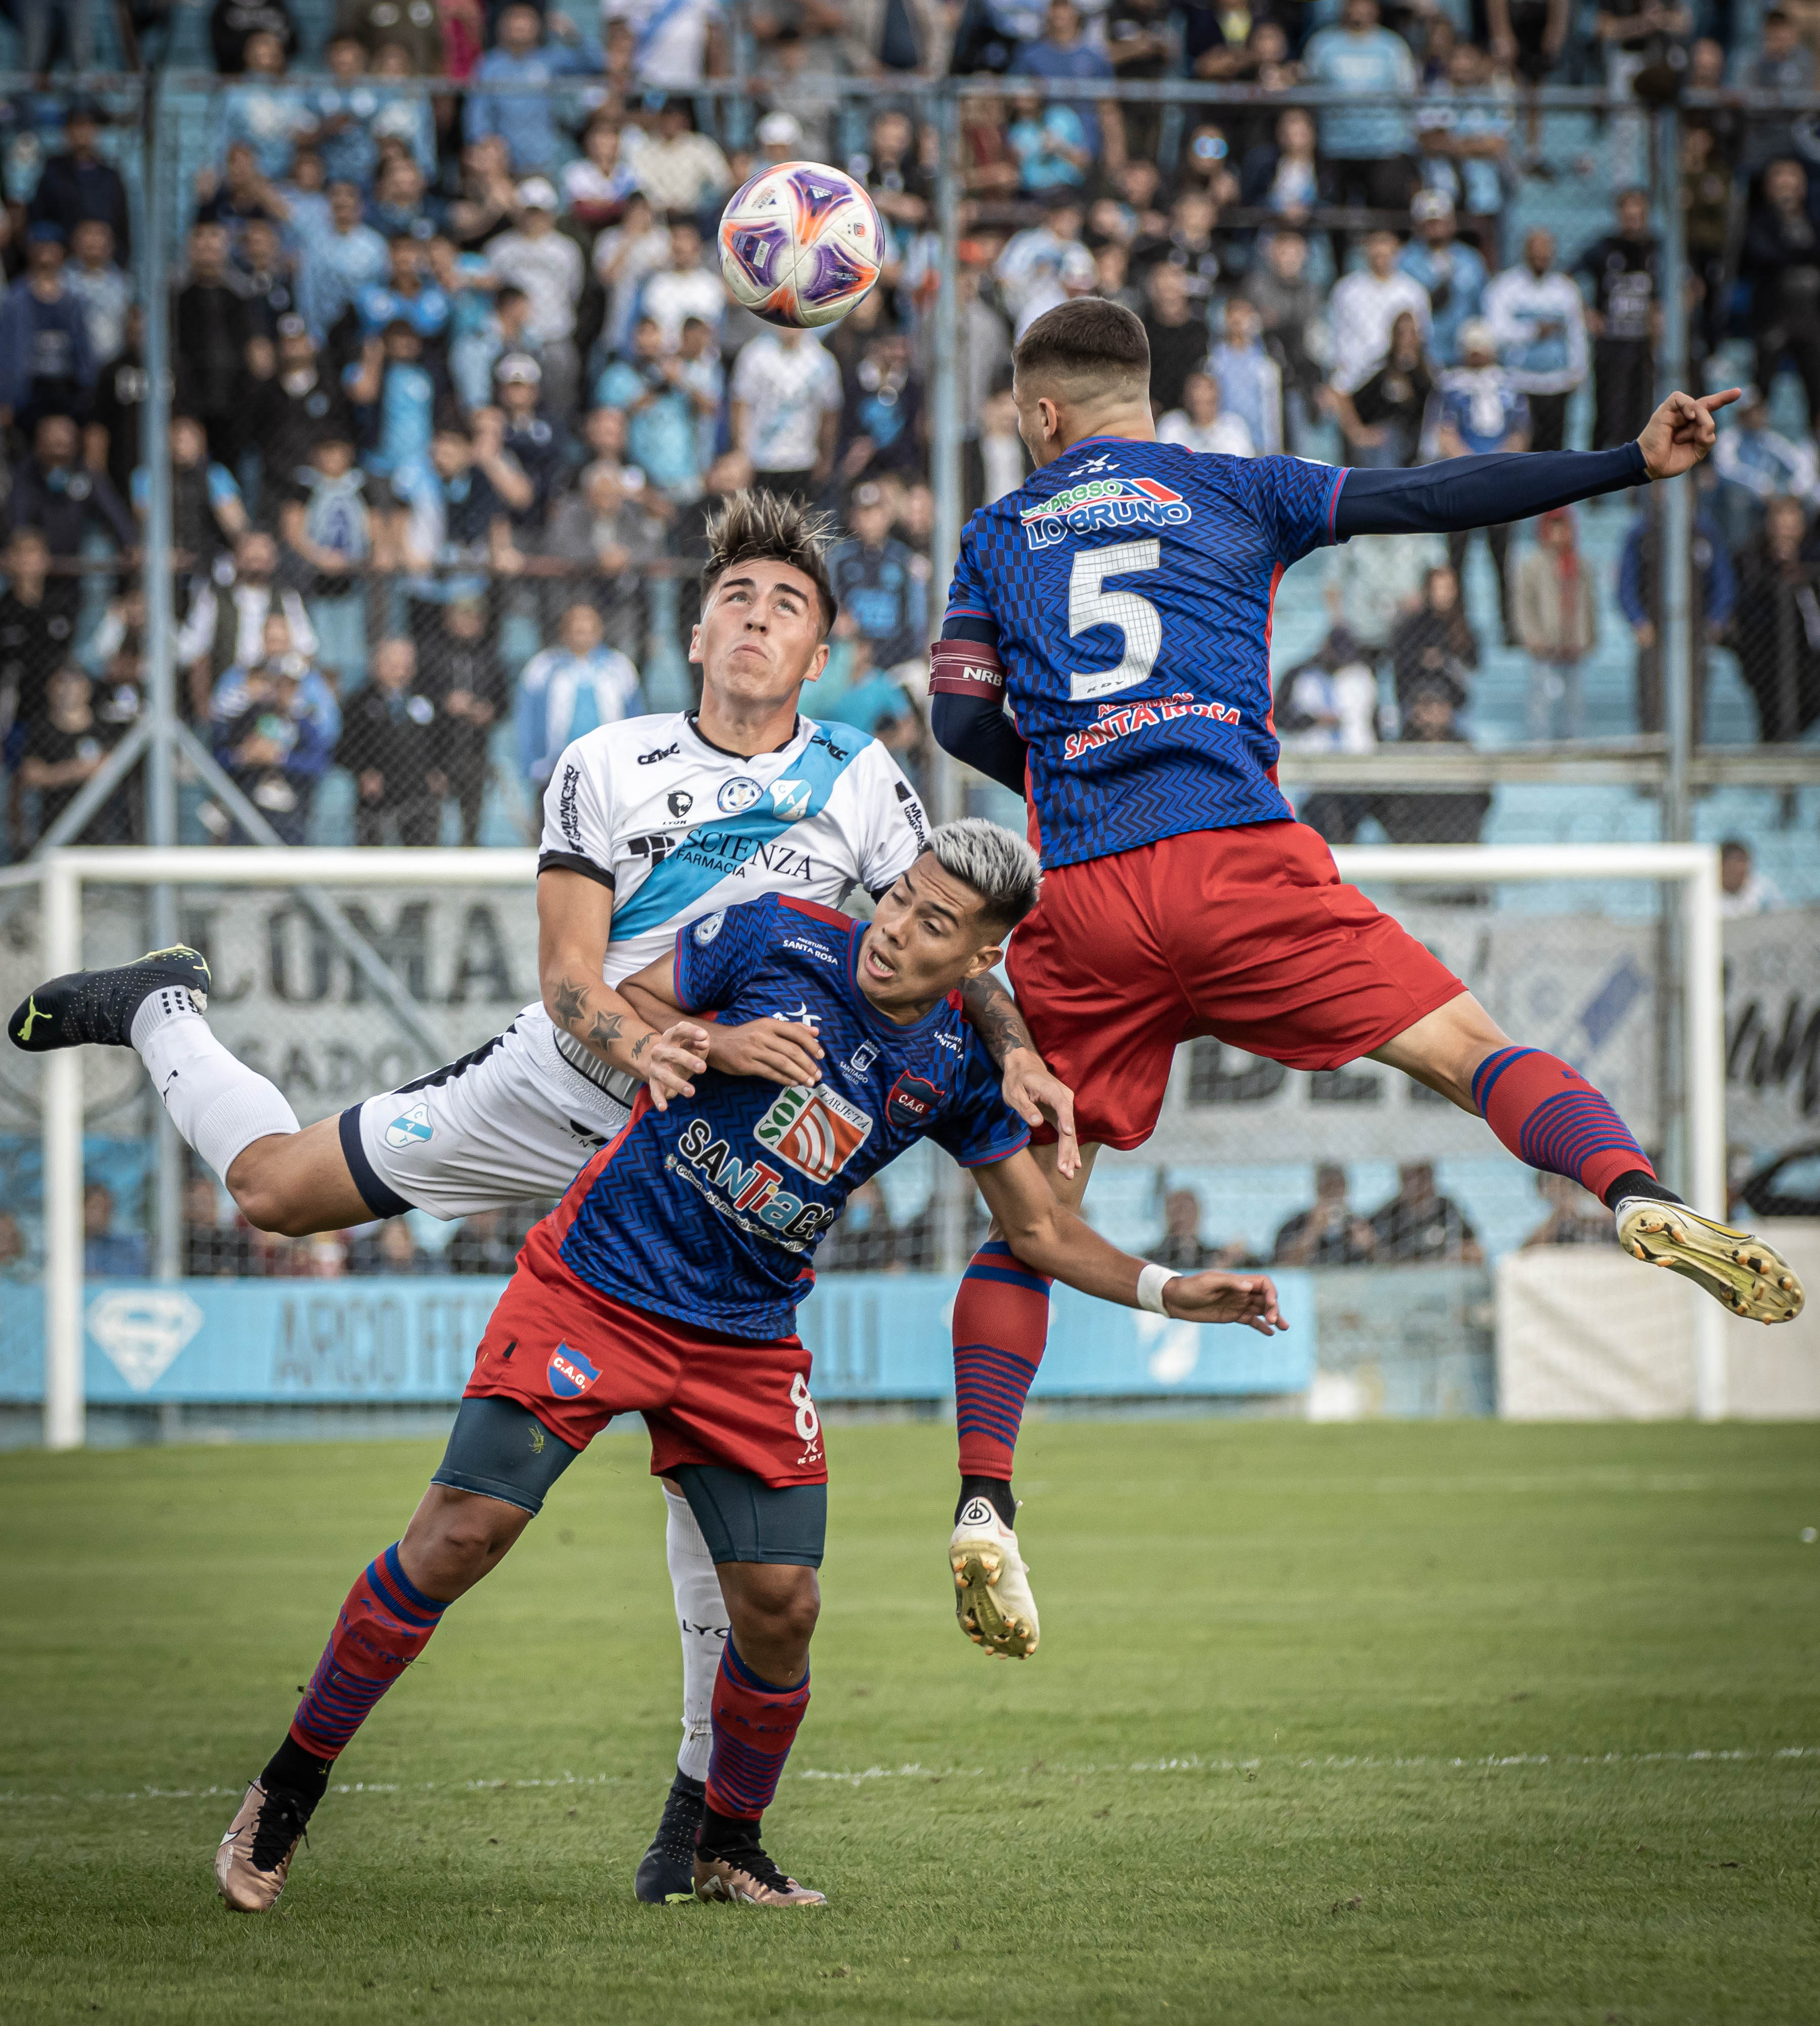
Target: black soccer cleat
x=98 y=1006
x=666 y=1871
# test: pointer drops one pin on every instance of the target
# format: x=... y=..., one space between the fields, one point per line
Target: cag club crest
x=570 y=1373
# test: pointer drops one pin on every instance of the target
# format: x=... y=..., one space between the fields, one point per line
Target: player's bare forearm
x=993 y=1015
x=1048 y=1238
x=1036 y=1096
x=602 y=1019
x=779 y=1051
x=574 y=920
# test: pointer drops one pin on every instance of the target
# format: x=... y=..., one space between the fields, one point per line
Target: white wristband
x=1151 y=1283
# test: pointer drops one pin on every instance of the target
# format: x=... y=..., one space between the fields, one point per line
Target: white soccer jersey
x=678 y=828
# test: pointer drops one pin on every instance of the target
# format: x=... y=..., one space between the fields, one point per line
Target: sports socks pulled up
x=385 y=1622
x=702 y=1621
x=216 y=1102
x=1548 y=1115
x=755 y=1725
x=1001 y=1323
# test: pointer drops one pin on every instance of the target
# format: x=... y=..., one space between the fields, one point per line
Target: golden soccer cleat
x=1751 y=1278
x=253 y=1859
x=746 y=1876
x=993 y=1600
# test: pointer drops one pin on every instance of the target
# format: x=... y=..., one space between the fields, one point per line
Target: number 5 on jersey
x=1090 y=604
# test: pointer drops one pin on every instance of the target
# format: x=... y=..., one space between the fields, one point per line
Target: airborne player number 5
x=1090 y=604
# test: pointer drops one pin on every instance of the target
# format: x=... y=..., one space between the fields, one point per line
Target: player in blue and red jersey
x=1119 y=604
x=667 y=1284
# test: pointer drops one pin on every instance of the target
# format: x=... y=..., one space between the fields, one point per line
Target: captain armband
x=966 y=668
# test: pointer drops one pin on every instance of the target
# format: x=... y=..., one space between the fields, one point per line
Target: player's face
x=759 y=639
x=927 y=936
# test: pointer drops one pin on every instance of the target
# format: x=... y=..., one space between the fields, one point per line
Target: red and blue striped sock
x=1001 y=1322
x=1548 y=1115
x=385 y=1624
x=755 y=1725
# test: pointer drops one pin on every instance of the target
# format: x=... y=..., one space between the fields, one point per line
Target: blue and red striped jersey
x=1126 y=589
x=710 y=1211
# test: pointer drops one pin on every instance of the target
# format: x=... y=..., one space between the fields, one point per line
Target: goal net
x=1426 y=1265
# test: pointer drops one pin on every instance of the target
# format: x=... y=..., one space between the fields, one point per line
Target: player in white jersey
x=648 y=824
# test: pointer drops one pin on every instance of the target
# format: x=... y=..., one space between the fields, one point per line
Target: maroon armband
x=965 y=668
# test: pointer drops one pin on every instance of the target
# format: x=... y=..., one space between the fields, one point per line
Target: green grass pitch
x=1392 y=1724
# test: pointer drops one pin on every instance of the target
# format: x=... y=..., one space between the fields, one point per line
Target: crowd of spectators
x=456 y=380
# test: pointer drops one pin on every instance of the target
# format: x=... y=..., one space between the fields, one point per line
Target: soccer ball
x=801 y=243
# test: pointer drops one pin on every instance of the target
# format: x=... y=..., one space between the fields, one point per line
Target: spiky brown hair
x=761 y=527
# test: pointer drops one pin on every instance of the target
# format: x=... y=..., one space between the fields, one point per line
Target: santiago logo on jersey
x=741 y=1191
x=738 y=793
x=1103 y=503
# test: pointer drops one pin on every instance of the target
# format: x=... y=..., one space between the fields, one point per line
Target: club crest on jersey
x=738 y=793
x=813 y=1131
x=570 y=1374
x=790 y=799
x=913 y=1102
x=1103 y=503
x=708 y=928
x=410 y=1129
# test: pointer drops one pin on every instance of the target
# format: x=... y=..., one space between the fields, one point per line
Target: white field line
x=1190 y=1762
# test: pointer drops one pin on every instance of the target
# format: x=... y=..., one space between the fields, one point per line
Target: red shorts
x=575 y=1357
x=1246 y=934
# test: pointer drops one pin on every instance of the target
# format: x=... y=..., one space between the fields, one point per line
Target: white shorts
x=510 y=1122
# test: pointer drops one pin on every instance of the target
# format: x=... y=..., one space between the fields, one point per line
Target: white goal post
x=62 y=877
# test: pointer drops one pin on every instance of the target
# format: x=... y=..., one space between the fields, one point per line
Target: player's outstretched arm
x=574 y=920
x=1036 y=1096
x=1049 y=1239
x=1462 y=492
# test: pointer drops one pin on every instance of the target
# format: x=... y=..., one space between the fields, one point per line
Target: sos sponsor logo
x=570 y=1374
x=1102 y=503
x=737 y=794
x=743 y=1189
x=914 y=1102
x=813 y=1131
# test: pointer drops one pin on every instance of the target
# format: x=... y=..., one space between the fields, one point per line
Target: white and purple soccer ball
x=801 y=243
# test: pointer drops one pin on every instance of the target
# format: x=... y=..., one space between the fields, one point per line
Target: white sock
x=702 y=1621
x=219 y=1105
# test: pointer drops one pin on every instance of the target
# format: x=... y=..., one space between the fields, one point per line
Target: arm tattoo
x=638 y=1046
x=992 y=1014
x=604 y=1031
x=570 y=1001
